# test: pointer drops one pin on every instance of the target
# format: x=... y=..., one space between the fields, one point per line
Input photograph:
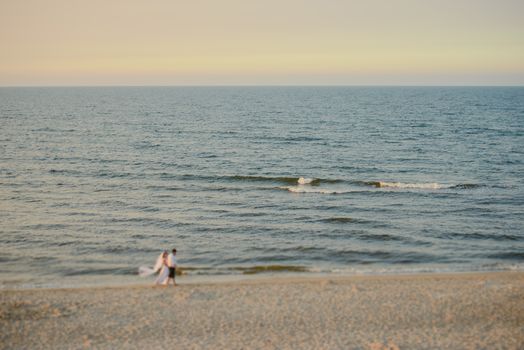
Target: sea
x=258 y=181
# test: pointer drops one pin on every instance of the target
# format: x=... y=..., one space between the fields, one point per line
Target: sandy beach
x=433 y=311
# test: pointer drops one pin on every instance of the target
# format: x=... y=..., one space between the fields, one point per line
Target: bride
x=160 y=267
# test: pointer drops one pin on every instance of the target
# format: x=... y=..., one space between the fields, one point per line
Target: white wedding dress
x=145 y=271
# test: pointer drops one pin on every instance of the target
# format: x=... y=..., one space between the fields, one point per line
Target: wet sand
x=432 y=311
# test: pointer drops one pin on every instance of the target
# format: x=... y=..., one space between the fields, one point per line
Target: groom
x=171 y=264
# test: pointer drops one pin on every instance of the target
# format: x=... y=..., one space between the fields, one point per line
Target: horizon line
x=257 y=85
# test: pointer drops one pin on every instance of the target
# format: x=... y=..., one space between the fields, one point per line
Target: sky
x=266 y=42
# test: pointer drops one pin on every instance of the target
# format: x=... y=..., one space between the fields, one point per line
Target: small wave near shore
x=313 y=185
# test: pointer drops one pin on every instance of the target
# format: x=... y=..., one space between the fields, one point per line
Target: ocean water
x=95 y=182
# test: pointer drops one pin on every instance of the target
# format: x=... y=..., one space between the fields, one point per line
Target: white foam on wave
x=424 y=186
x=304 y=181
x=303 y=189
x=303 y=186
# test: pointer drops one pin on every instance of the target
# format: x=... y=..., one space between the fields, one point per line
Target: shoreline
x=409 y=311
x=132 y=281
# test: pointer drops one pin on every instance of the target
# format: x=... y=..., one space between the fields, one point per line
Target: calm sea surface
x=95 y=182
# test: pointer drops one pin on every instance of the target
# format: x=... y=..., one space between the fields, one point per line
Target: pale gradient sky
x=267 y=42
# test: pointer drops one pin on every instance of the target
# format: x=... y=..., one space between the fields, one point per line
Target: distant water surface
x=94 y=182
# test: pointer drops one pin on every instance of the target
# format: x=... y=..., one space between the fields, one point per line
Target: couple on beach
x=165 y=266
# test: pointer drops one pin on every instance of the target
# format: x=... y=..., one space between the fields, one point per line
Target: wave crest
x=426 y=186
x=423 y=186
x=304 y=189
x=304 y=181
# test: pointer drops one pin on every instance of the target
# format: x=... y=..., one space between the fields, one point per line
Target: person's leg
x=171 y=275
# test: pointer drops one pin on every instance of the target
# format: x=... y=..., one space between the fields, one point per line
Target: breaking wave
x=311 y=185
x=299 y=183
x=288 y=180
x=304 y=189
x=422 y=186
x=304 y=181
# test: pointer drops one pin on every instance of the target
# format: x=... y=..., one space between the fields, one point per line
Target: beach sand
x=431 y=311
